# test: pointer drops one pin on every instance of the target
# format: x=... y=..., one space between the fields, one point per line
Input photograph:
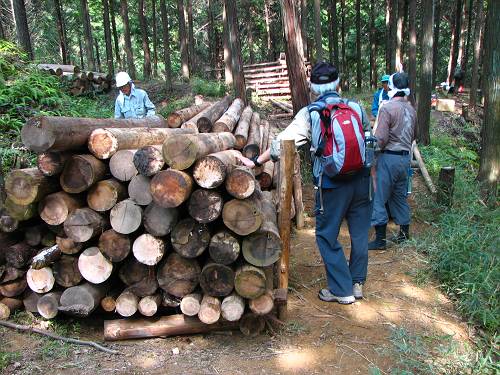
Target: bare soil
x=317 y=338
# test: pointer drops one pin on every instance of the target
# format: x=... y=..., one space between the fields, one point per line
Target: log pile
x=80 y=82
x=153 y=218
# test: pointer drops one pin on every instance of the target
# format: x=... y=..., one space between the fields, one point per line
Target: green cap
x=385 y=78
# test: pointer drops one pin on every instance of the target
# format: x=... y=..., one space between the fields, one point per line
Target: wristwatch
x=254 y=159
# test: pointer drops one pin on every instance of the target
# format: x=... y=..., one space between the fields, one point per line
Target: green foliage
x=206 y=87
x=176 y=104
x=6 y=358
x=11 y=60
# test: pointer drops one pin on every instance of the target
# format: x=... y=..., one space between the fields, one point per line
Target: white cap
x=122 y=78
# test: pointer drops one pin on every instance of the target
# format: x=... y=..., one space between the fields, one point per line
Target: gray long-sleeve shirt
x=396 y=125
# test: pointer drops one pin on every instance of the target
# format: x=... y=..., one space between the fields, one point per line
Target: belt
x=390 y=152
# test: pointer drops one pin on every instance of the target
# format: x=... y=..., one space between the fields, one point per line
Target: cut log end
x=102 y=144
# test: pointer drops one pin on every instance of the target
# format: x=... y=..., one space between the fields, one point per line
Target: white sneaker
x=357 y=290
x=327 y=296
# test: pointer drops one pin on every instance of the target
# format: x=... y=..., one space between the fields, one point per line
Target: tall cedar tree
x=489 y=170
x=478 y=41
x=166 y=45
x=22 y=30
x=469 y=28
x=435 y=49
x=425 y=89
x=212 y=49
x=191 y=42
x=249 y=25
x=63 y=49
x=335 y=32
x=80 y=50
x=463 y=35
x=412 y=63
x=294 y=56
x=128 y=41
x=318 y=42
x=399 y=36
x=303 y=26
x=112 y=8
x=358 y=44
x=228 y=71
x=455 y=38
x=107 y=36
x=183 y=39
x=97 y=56
x=155 y=38
x=235 y=46
x=87 y=34
x=342 y=37
x=145 y=41
x=373 y=47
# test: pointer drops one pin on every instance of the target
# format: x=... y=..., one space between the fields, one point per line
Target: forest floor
x=403 y=325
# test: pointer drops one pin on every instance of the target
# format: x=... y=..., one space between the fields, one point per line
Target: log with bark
x=148 y=306
x=176 y=118
x=252 y=147
x=205 y=206
x=190 y=238
x=170 y=188
x=33 y=234
x=105 y=194
x=210 y=310
x=132 y=271
x=13 y=288
x=121 y=165
x=266 y=176
x=51 y=163
x=297 y=193
x=7 y=223
x=41 y=280
x=66 y=271
x=108 y=303
x=232 y=307
x=283 y=106
x=9 y=273
x=48 y=305
x=250 y=281
x=148 y=249
x=262 y=305
x=242 y=216
x=211 y=115
x=46 y=257
x=158 y=220
x=224 y=248
x=240 y=182
x=264 y=135
x=126 y=216
x=51 y=133
x=210 y=171
x=82 y=300
x=114 y=246
x=182 y=151
x=178 y=276
x=139 y=190
x=55 y=208
x=230 y=118
x=84 y=224
x=217 y=280
x=30 y=300
x=190 y=304
x=68 y=245
x=148 y=160
x=127 y=304
x=252 y=324
x=241 y=132
x=19 y=255
x=104 y=143
x=18 y=211
x=8 y=306
x=81 y=172
x=93 y=266
x=26 y=186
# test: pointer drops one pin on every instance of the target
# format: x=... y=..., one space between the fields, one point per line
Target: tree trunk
x=145 y=41
x=40 y=281
x=20 y=212
x=294 y=56
x=159 y=221
x=465 y=62
x=170 y=188
x=51 y=163
x=105 y=194
x=68 y=245
x=93 y=266
x=478 y=46
x=317 y=30
x=399 y=35
x=87 y=33
x=252 y=148
x=435 y=48
x=230 y=118
x=455 y=38
x=148 y=160
x=224 y=248
x=211 y=115
x=183 y=39
x=232 y=307
x=121 y=165
x=373 y=47
x=148 y=250
x=114 y=246
x=303 y=26
x=55 y=208
x=148 y=306
x=212 y=39
x=155 y=39
x=127 y=304
x=240 y=182
x=176 y=118
x=83 y=299
x=66 y=271
x=26 y=186
x=242 y=216
x=463 y=38
x=22 y=30
x=190 y=304
x=412 y=66
x=343 y=36
x=178 y=276
x=84 y=224
x=249 y=26
x=358 y=44
x=217 y=280
x=13 y=288
x=191 y=42
x=210 y=171
x=126 y=216
x=80 y=50
x=81 y=172
x=334 y=27
x=252 y=324
x=138 y=190
x=205 y=206
x=128 y=40
x=262 y=305
x=250 y=282
x=132 y=272
x=19 y=255
x=490 y=143
x=241 y=132
x=166 y=44
x=228 y=71
x=112 y=9
x=98 y=56
x=425 y=89
x=210 y=310
x=107 y=37
x=61 y=32
x=172 y=325
x=46 y=257
x=235 y=46
x=189 y=238
x=50 y=133
x=48 y=304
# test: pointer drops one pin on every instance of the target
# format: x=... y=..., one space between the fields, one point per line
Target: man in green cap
x=380 y=95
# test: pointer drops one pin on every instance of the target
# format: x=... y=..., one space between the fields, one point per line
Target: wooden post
x=285 y=206
x=297 y=193
x=446 y=186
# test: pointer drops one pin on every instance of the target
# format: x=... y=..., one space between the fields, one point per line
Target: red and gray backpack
x=338 y=138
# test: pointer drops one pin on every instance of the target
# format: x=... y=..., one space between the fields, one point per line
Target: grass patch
x=7 y=358
x=210 y=88
x=176 y=104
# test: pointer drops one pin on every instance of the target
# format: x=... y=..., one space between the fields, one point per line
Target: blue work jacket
x=377 y=100
x=136 y=105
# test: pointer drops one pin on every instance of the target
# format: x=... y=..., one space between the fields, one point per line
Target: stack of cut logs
x=81 y=82
x=159 y=217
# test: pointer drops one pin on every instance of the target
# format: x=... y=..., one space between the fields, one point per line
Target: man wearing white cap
x=395 y=133
x=131 y=101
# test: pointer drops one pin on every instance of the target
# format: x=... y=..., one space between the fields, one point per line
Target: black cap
x=401 y=81
x=324 y=72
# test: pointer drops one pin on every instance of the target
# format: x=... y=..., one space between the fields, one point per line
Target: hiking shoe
x=379 y=243
x=357 y=290
x=402 y=236
x=327 y=296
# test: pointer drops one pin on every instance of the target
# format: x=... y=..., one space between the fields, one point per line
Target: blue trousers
x=392 y=185
x=349 y=200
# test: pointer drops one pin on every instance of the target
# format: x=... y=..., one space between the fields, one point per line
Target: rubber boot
x=379 y=243
x=403 y=235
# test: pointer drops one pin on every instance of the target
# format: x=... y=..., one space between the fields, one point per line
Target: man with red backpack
x=336 y=129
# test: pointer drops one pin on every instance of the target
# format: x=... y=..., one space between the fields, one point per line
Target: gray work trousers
x=392 y=189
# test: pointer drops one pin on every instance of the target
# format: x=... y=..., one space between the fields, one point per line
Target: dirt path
x=319 y=338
